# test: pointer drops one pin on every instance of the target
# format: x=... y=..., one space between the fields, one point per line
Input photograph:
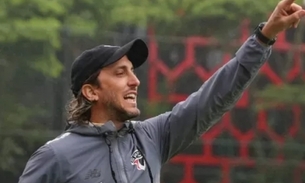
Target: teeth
x=132 y=96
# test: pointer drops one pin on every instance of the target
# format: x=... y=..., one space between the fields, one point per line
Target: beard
x=115 y=110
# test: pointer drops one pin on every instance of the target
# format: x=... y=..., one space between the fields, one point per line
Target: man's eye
x=119 y=73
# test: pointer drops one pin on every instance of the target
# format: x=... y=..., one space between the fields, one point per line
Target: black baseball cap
x=90 y=61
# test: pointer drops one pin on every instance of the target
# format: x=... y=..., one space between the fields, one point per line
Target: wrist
x=264 y=34
x=267 y=33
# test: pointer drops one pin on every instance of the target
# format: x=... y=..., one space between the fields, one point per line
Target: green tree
x=31 y=42
x=188 y=17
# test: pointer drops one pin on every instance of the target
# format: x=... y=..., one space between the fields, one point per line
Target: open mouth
x=131 y=98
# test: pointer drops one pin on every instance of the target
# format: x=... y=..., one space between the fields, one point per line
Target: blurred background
x=260 y=140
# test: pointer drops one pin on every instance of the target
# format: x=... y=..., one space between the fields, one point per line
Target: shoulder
x=43 y=165
x=66 y=143
x=153 y=122
x=142 y=128
x=44 y=152
x=44 y=157
x=59 y=139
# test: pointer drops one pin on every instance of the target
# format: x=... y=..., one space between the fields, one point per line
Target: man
x=102 y=145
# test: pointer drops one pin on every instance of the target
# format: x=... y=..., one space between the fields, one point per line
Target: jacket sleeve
x=174 y=131
x=41 y=167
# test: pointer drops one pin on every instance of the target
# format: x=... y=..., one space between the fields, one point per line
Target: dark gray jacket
x=135 y=154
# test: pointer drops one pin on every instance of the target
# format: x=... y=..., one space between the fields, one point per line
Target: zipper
x=121 y=158
x=121 y=163
x=110 y=159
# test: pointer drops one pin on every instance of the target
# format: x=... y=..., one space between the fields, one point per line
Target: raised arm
x=173 y=131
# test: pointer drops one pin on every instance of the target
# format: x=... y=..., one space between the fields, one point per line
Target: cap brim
x=136 y=51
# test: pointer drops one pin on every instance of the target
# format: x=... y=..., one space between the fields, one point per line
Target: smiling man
x=103 y=81
x=116 y=93
x=102 y=145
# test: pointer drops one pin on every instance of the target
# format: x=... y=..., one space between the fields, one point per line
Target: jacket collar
x=107 y=129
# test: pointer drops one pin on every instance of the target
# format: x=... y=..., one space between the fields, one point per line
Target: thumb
x=295 y=17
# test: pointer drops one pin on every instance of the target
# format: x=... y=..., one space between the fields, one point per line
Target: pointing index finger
x=287 y=2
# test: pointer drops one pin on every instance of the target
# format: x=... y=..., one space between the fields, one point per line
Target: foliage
x=193 y=16
x=31 y=40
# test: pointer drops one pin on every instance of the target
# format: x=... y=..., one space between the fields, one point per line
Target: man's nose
x=133 y=80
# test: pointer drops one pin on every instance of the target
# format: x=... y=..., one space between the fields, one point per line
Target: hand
x=285 y=15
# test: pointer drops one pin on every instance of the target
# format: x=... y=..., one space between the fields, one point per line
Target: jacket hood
x=104 y=130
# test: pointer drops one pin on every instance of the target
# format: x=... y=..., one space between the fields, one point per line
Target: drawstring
x=140 y=149
x=110 y=158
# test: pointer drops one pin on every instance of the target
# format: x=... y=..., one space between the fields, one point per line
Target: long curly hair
x=79 y=108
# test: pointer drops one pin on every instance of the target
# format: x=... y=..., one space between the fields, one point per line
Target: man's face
x=117 y=94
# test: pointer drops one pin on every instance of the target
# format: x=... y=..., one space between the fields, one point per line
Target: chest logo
x=138 y=160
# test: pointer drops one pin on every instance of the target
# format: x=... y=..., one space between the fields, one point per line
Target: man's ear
x=89 y=92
